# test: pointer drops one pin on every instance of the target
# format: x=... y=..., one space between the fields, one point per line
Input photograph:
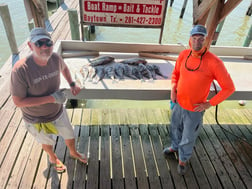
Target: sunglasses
x=40 y=43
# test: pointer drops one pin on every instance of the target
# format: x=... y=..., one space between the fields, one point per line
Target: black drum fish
x=101 y=60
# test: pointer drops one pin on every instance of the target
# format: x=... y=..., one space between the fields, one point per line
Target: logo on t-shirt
x=45 y=77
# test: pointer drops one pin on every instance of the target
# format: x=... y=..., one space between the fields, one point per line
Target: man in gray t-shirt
x=35 y=82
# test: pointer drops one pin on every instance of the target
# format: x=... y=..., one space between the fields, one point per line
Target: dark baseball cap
x=39 y=33
x=199 y=29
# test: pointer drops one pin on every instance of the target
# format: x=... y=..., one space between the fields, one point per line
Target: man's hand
x=75 y=90
x=173 y=96
x=202 y=106
x=59 y=97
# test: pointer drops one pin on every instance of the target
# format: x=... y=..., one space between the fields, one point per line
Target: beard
x=45 y=54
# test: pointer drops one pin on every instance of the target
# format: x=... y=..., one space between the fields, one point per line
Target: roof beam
x=228 y=7
x=213 y=20
x=200 y=10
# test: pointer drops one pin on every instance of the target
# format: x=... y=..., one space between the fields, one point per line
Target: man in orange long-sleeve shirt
x=195 y=70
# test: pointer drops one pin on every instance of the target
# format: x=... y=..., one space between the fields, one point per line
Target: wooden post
x=171 y=2
x=58 y=3
x=30 y=25
x=86 y=32
x=74 y=24
x=5 y=15
x=213 y=20
x=38 y=13
x=183 y=9
x=248 y=38
x=249 y=11
x=45 y=8
x=217 y=32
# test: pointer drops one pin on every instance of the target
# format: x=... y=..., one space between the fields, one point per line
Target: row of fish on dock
x=106 y=67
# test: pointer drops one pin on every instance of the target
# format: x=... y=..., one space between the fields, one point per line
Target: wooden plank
x=247 y=115
x=54 y=179
x=86 y=115
x=21 y=162
x=119 y=47
x=190 y=178
x=226 y=155
x=11 y=155
x=231 y=149
x=127 y=151
x=116 y=159
x=81 y=169
x=140 y=167
x=5 y=95
x=142 y=47
x=30 y=171
x=158 y=56
x=67 y=179
x=149 y=156
x=9 y=134
x=163 y=126
x=105 y=150
x=211 y=147
x=5 y=116
x=43 y=171
x=129 y=173
x=141 y=176
x=242 y=149
x=93 y=162
x=117 y=177
x=77 y=116
x=104 y=176
x=9 y=104
x=206 y=175
x=153 y=175
x=164 y=171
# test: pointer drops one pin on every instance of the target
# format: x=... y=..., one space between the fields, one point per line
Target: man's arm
x=67 y=75
x=32 y=101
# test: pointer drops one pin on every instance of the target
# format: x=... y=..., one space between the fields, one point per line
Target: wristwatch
x=72 y=84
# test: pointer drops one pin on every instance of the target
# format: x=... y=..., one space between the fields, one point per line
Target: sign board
x=135 y=13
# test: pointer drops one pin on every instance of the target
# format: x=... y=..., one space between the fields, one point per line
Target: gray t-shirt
x=31 y=80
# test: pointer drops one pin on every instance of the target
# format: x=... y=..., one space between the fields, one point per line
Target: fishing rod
x=242 y=139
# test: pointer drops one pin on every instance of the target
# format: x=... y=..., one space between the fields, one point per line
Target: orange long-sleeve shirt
x=193 y=86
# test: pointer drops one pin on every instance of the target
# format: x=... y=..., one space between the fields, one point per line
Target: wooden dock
x=124 y=146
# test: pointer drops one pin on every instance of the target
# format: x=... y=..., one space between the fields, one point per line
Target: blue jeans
x=185 y=127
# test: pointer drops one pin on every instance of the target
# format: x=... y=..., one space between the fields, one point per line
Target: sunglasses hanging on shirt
x=40 y=43
x=192 y=70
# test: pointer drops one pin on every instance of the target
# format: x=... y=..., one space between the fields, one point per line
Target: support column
x=74 y=24
x=249 y=11
x=183 y=9
x=5 y=15
x=248 y=38
x=217 y=32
